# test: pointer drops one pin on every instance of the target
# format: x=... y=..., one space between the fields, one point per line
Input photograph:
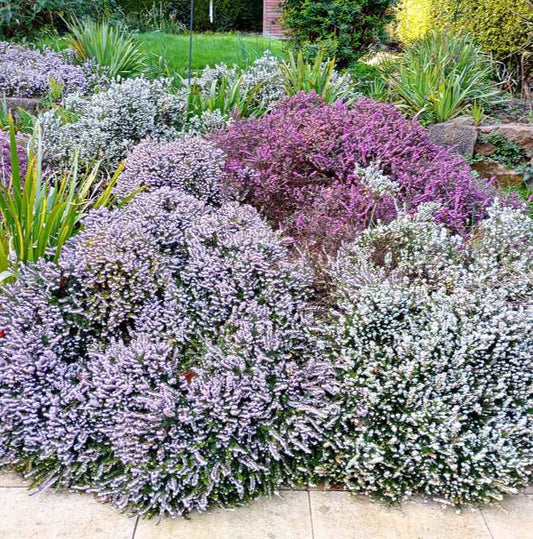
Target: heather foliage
x=432 y=337
x=164 y=363
x=108 y=124
x=306 y=167
x=190 y=164
x=27 y=73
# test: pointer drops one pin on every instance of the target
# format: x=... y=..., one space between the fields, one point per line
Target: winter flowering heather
x=303 y=167
x=432 y=338
x=108 y=124
x=164 y=364
x=27 y=73
x=191 y=164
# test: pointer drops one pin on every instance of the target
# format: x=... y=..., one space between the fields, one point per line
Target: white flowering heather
x=190 y=164
x=164 y=363
x=379 y=184
x=108 y=124
x=27 y=73
x=432 y=336
x=209 y=120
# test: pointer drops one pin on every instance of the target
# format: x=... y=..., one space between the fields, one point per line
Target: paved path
x=299 y=515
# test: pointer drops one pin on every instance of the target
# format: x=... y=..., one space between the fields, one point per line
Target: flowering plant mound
x=108 y=124
x=191 y=164
x=164 y=363
x=27 y=73
x=325 y=171
x=432 y=337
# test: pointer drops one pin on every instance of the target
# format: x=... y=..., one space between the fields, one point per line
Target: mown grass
x=169 y=52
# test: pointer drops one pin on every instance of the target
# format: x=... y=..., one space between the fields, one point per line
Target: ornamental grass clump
x=191 y=164
x=164 y=363
x=28 y=73
x=432 y=337
x=311 y=168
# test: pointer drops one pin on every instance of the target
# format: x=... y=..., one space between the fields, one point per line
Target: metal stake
x=191 y=28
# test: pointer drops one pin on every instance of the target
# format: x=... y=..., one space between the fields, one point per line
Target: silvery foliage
x=192 y=164
x=432 y=337
x=164 y=364
x=108 y=124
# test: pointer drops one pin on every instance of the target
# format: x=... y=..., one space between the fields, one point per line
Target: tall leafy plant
x=108 y=46
x=319 y=76
x=39 y=214
x=441 y=76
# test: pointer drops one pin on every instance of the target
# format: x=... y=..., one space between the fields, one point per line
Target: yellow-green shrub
x=498 y=26
x=414 y=19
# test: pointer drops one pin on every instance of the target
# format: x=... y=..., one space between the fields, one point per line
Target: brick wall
x=271 y=11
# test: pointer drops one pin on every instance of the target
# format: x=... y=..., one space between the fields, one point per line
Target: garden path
x=302 y=514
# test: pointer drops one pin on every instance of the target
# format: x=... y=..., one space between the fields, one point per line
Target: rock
x=459 y=135
x=522 y=134
x=484 y=148
x=503 y=176
x=29 y=104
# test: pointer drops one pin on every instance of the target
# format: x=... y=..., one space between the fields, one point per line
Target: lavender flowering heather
x=164 y=363
x=302 y=164
x=191 y=164
x=432 y=338
x=27 y=73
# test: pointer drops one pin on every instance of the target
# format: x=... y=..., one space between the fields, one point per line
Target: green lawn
x=170 y=51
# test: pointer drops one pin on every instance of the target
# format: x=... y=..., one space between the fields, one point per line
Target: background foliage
x=342 y=28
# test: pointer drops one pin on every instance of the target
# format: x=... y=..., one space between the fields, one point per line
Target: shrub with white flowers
x=164 y=364
x=108 y=124
x=191 y=164
x=432 y=337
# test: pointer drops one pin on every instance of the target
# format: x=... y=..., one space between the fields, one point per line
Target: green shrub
x=499 y=26
x=342 y=28
x=26 y=16
x=228 y=14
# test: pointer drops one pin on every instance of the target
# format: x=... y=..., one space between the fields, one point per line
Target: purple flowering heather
x=311 y=169
x=164 y=363
x=27 y=73
x=191 y=164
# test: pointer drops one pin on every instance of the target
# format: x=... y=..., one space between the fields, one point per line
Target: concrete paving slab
x=273 y=518
x=513 y=520
x=10 y=479
x=52 y=515
x=339 y=515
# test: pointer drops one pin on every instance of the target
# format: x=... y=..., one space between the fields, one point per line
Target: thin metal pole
x=191 y=28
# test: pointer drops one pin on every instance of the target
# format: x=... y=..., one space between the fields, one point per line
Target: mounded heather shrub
x=106 y=125
x=27 y=73
x=5 y=158
x=432 y=337
x=310 y=168
x=191 y=164
x=163 y=364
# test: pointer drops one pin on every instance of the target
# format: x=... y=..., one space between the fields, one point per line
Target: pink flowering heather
x=323 y=172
